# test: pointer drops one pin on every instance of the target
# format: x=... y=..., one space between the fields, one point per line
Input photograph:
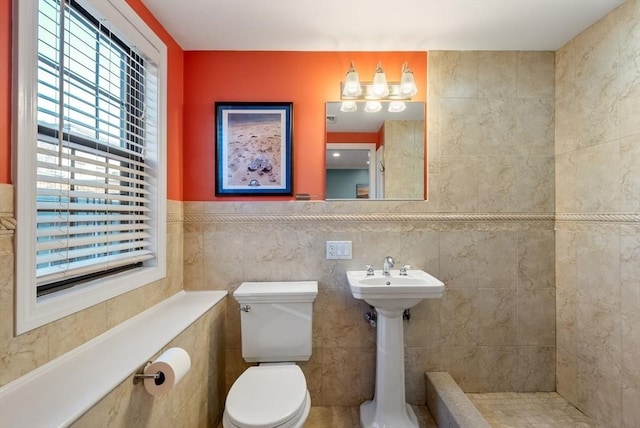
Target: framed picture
x=254 y=148
x=362 y=191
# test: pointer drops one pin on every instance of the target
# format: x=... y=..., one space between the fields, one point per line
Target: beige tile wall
x=490 y=131
x=404 y=159
x=598 y=206
x=492 y=333
x=197 y=401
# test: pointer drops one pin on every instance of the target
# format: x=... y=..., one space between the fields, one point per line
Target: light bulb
x=407 y=82
x=348 y=106
x=373 y=106
x=380 y=87
x=352 y=86
x=397 y=106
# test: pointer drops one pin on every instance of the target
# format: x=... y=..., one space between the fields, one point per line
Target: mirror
x=375 y=155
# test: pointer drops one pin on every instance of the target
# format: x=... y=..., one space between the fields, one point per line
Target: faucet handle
x=369 y=269
x=403 y=269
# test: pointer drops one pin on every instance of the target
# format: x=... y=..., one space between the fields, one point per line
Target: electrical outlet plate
x=338 y=250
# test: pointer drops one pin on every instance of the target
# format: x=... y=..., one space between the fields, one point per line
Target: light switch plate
x=338 y=250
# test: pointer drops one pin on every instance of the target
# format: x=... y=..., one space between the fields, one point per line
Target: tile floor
x=529 y=410
x=349 y=417
x=500 y=409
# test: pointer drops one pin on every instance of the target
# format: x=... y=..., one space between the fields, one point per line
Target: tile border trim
x=173 y=218
x=7 y=223
x=624 y=218
x=425 y=217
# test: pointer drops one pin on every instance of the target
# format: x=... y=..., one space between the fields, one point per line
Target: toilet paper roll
x=171 y=367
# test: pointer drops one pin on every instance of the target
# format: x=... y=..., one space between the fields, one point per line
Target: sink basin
x=394 y=291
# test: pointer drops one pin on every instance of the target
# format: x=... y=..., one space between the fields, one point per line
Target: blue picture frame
x=254 y=148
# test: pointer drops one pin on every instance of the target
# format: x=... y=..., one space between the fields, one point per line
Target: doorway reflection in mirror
x=350 y=167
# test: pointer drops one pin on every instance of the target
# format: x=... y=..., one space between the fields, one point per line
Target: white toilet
x=276 y=331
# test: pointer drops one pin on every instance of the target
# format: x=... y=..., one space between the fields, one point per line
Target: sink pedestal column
x=388 y=408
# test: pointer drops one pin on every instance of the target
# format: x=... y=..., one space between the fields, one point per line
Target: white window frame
x=32 y=311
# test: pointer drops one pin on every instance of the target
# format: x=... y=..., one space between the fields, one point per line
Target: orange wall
x=308 y=79
x=354 y=137
x=5 y=91
x=175 y=97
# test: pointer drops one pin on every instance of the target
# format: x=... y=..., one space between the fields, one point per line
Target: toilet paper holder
x=162 y=374
x=140 y=375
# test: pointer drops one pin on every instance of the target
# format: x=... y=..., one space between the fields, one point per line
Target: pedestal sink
x=391 y=295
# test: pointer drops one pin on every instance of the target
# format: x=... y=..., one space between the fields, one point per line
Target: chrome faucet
x=386 y=267
x=369 y=270
x=403 y=270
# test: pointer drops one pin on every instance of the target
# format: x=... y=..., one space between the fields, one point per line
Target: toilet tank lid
x=277 y=291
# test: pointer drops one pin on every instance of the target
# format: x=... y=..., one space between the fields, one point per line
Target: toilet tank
x=276 y=320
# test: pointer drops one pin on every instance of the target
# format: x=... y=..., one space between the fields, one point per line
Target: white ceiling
x=376 y=25
x=348 y=159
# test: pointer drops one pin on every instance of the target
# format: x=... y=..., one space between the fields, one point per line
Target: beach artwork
x=253 y=148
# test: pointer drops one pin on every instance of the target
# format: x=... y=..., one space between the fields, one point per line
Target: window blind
x=96 y=123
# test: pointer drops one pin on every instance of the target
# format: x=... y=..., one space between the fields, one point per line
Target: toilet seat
x=268 y=396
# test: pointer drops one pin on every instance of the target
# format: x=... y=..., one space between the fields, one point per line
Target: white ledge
x=59 y=392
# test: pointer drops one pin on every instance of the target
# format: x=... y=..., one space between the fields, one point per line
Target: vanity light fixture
x=377 y=90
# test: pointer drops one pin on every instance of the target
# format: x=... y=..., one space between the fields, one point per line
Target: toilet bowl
x=268 y=396
x=276 y=322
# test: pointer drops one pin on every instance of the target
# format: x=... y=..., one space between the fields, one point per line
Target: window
x=90 y=167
